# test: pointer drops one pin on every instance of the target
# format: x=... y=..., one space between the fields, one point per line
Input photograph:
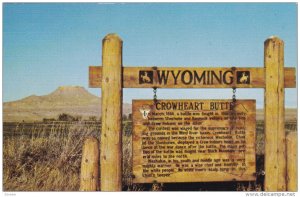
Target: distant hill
x=73 y=100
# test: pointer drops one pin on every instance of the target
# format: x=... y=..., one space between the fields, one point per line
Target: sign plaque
x=193 y=140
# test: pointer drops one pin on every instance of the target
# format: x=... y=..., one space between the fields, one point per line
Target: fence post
x=89 y=175
x=275 y=153
x=111 y=133
x=292 y=167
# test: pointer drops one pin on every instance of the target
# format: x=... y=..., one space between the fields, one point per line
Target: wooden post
x=111 y=133
x=292 y=167
x=275 y=153
x=89 y=175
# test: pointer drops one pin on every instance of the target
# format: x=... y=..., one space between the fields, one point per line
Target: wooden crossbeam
x=191 y=77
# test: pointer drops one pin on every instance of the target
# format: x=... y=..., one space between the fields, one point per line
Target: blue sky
x=51 y=45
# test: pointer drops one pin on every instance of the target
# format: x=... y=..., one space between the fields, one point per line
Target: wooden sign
x=185 y=77
x=193 y=140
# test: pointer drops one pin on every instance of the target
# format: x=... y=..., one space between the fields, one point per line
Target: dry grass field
x=43 y=158
x=47 y=157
